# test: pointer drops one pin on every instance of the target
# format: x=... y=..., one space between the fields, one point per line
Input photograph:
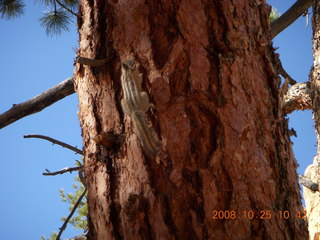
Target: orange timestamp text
x=263 y=214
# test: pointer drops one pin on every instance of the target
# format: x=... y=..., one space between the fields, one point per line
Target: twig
x=37 y=103
x=91 y=62
x=66 y=8
x=286 y=19
x=71 y=214
x=54 y=141
x=64 y=170
x=308 y=183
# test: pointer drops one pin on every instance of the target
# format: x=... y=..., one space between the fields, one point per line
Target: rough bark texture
x=312 y=198
x=207 y=69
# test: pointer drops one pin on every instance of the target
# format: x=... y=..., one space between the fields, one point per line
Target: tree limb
x=297 y=98
x=91 y=62
x=37 y=103
x=286 y=19
x=54 y=141
x=71 y=214
x=64 y=170
x=308 y=183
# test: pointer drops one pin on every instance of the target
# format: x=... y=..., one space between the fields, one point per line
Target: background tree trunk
x=312 y=198
x=207 y=67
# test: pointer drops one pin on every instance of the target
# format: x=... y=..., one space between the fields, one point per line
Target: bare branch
x=37 y=103
x=54 y=141
x=64 y=170
x=297 y=98
x=308 y=183
x=286 y=19
x=66 y=8
x=91 y=62
x=282 y=71
x=71 y=214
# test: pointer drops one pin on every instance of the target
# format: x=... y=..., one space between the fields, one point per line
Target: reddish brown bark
x=207 y=68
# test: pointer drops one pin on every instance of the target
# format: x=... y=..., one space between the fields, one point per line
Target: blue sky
x=32 y=62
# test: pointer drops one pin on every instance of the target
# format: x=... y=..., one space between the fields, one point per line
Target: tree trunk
x=225 y=151
x=312 y=198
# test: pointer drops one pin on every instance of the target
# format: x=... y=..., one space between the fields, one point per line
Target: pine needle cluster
x=274 y=14
x=56 y=20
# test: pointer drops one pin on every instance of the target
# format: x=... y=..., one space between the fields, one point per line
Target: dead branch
x=71 y=214
x=64 y=170
x=308 y=183
x=37 y=103
x=286 y=19
x=54 y=141
x=297 y=98
x=91 y=62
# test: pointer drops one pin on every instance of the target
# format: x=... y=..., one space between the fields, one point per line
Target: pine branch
x=286 y=19
x=66 y=8
x=71 y=214
x=37 y=103
x=54 y=141
x=55 y=22
x=11 y=8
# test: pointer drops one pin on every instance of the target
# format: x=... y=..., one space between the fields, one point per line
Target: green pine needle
x=274 y=14
x=11 y=8
x=55 y=22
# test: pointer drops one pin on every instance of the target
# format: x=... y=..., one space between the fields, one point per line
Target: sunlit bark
x=207 y=68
